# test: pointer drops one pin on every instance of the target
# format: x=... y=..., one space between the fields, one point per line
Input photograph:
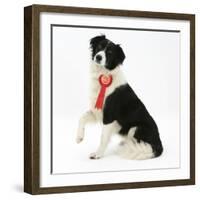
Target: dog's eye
x=109 y=52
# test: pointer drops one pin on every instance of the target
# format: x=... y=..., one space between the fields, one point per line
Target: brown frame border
x=32 y=106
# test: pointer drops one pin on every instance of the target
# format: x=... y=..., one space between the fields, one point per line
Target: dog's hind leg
x=87 y=117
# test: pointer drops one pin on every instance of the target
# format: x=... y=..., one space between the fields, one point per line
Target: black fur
x=126 y=108
x=114 y=53
x=94 y=43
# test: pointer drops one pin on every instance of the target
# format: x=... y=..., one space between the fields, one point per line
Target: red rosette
x=105 y=81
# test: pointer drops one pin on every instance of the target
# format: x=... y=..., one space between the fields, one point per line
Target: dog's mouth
x=99 y=64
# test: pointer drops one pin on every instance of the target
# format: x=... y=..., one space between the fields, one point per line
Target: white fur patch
x=131 y=149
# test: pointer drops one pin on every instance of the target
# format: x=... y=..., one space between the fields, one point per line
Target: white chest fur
x=117 y=80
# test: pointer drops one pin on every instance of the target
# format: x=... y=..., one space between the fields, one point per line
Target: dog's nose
x=98 y=58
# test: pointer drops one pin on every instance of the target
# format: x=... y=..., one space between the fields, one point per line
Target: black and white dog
x=117 y=106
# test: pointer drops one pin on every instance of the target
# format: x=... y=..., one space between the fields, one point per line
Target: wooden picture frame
x=32 y=97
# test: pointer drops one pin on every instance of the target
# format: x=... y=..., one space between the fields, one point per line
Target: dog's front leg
x=87 y=117
x=107 y=131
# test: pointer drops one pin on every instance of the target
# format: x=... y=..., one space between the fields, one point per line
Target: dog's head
x=105 y=53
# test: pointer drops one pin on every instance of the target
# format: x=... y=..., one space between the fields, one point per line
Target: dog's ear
x=120 y=54
x=94 y=41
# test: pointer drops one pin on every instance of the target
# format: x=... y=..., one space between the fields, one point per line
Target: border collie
x=115 y=104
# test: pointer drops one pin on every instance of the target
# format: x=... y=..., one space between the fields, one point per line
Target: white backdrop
x=152 y=68
x=11 y=87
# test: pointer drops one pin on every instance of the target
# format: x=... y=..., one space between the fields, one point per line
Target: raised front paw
x=95 y=155
x=79 y=139
x=80 y=135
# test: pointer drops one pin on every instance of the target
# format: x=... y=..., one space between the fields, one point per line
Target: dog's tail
x=135 y=151
x=131 y=149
